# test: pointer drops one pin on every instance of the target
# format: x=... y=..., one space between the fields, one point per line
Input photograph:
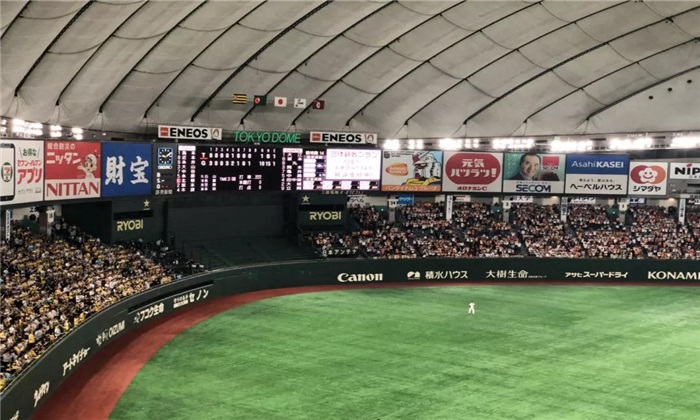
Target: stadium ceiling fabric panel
x=399 y=68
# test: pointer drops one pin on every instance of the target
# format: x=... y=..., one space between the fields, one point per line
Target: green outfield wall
x=45 y=376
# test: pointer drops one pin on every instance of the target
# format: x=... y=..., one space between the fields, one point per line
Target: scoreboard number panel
x=215 y=168
x=210 y=169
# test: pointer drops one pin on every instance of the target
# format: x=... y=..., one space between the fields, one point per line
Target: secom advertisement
x=405 y=170
x=648 y=178
x=533 y=173
x=472 y=172
x=597 y=174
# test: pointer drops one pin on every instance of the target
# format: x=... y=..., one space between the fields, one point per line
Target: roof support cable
x=255 y=56
x=53 y=42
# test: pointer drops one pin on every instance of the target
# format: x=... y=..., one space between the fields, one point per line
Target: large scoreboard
x=187 y=169
x=342 y=169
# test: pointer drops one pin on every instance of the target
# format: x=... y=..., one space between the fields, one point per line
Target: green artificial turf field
x=414 y=353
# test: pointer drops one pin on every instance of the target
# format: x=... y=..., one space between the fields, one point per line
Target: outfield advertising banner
x=127 y=169
x=73 y=170
x=688 y=170
x=405 y=170
x=473 y=172
x=597 y=174
x=22 y=163
x=648 y=178
x=533 y=173
x=34 y=386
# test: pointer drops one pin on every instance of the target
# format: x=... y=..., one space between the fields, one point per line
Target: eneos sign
x=188 y=133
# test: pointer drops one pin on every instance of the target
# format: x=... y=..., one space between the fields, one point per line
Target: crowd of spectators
x=476 y=230
x=50 y=285
x=544 y=233
x=660 y=234
x=693 y=220
x=324 y=242
x=489 y=236
x=601 y=233
x=589 y=216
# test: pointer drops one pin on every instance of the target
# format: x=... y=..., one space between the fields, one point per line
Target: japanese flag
x=280 y=101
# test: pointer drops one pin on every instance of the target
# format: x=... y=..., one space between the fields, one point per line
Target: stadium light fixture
x=77 y=133
x=450 y=144
x=391 y=144
x=415 y=144
x=570 y=145
x=511 y=143
x=56 y=131
x=685 y=142
x=631 y=144
x=34 y=129
x=18 y=126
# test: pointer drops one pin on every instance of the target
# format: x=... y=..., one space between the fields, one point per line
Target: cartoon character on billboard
x=89 y=166
x=427 y=170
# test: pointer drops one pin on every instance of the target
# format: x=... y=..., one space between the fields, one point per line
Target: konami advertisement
x=73 y=170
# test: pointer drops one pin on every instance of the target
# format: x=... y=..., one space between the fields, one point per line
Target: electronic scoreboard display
x=203 y=169
x=210 y=169
x=342 y=169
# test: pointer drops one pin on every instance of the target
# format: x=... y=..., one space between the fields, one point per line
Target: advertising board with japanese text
x=354 y=168
x=473 y=172
x=34 y=386
x=22 y=166
x=126 y=169
x=597 y=174
x=533 y=173
x=648 y=178
x=406 y=170
x=73 y=170
x=689 y=170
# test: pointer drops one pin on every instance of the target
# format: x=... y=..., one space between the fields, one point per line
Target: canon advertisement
x=188 y=133
x=597 y=174
x=648 y=178
x=469 y=172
